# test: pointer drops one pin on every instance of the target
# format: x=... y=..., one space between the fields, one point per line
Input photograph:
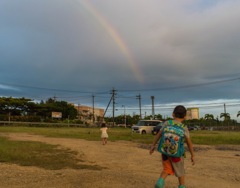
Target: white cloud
x=6 y=87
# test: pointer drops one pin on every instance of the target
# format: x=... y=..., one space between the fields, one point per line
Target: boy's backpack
x=172 y=140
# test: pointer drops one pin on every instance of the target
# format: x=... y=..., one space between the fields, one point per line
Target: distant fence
x=225 y=126
x=60 y=124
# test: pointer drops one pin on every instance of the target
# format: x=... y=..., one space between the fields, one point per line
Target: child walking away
x=104 y=134
x=171 y=145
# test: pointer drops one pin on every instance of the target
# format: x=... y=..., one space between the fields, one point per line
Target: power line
x=73 y=97
x=181 y=87
x=53 y=89
x=126 y=97
x=201 y=105
x=133 y=90
x=213 y=105
x=102 y=94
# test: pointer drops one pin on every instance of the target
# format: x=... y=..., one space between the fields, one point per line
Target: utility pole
x=93 y=109
x=113 y=98
x=125 y=122
x=224 y=108
x=153 y=113
x=107 y=107
x=140 y=108
x=78 y=111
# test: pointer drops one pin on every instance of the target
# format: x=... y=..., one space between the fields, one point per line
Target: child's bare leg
x=103 y=142
x=163 y=175
x=181 y=181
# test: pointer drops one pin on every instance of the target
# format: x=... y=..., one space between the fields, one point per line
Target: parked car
x=190 y=128
x=157 y=128
x=145 y=126
x=193 y=127
x=196 y=127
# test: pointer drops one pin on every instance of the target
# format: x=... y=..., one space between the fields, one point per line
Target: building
x=192 y=113
x=85 y=113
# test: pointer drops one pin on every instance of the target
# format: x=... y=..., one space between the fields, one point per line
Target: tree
x=209 y=117
x=238 y=114
x=15 y=106
x=157 y=116
x=226 y=116
x=148 y=117
x=46 y=109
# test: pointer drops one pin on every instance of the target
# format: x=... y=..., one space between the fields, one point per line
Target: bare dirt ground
x=126 y=165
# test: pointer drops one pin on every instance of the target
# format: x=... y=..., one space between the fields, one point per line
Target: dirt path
x=126 y=166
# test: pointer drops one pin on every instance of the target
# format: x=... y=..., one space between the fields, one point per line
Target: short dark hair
x=180 y=111
x=103 y=125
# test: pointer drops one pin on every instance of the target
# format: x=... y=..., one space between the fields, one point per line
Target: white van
x=145 y=126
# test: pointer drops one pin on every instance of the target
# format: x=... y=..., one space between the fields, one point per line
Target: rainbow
x=115 y=36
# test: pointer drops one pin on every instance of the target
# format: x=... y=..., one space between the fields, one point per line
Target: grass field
x=115 y=134
x=52 y=157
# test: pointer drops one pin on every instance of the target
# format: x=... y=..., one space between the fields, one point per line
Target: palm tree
x=209 y=117
x=238 y=114
x=226 y=116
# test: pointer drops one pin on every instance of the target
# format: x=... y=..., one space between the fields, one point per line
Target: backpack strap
x=178 y=124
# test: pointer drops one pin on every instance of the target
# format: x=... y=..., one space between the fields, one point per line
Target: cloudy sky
x=180 y=52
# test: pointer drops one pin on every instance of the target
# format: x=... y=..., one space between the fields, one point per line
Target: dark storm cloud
x=78 y=46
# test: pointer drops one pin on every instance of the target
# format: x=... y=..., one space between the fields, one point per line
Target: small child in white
x=104 y=134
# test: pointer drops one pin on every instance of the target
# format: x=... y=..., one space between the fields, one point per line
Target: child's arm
x=190 y=147
x=156 y=138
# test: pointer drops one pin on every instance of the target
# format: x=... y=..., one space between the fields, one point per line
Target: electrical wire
x=181 y=87
x=53 y=89
x=122 y=90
